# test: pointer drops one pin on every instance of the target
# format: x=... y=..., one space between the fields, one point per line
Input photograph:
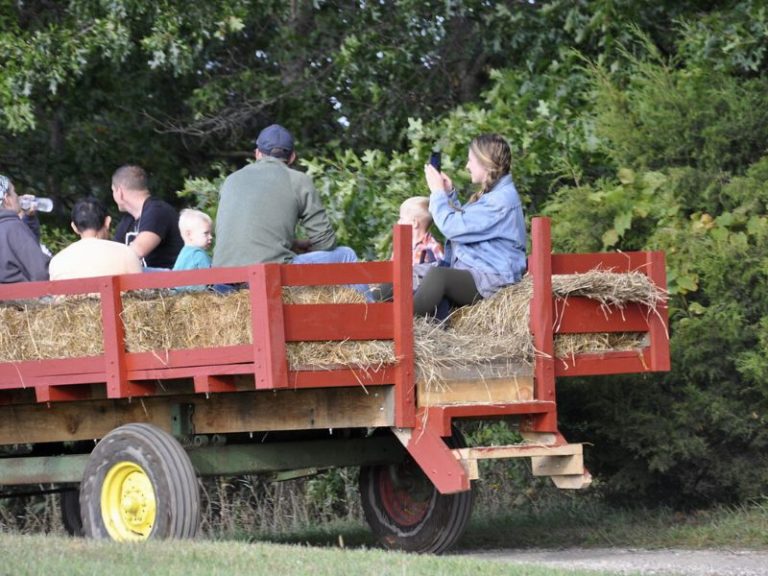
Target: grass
x=33 y=555
x=540 y=520
x=595 y=525
x=576 y=523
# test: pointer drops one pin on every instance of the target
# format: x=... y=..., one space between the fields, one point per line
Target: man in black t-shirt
x=149 y=226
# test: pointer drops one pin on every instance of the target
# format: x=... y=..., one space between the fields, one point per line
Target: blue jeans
x=339 y=255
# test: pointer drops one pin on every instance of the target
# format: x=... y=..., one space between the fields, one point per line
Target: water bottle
x=37 y=203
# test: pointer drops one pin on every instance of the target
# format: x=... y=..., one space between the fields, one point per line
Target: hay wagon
x=134 y=428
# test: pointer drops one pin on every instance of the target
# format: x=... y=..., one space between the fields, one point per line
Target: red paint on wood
x=341 y=377
x=437 y=461
x=402 y=288
x=581 y=315
x=320 y=322
x=270 y=367
x=208 y=383
x=324 y=274
x=619 y=262
x=540 y=268
x=63 y=393
x=190 y=358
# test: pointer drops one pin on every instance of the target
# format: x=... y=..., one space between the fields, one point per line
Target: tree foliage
x=633 y=124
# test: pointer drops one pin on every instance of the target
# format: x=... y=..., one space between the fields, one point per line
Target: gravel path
x=630 y=561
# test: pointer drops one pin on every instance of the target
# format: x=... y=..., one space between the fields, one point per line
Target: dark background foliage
x=633 y=124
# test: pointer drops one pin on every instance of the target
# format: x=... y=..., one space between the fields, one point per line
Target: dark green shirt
x=260 y=206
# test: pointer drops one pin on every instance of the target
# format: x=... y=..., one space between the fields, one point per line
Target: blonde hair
x=189 y=217
x=419 y=207
x=492 y=151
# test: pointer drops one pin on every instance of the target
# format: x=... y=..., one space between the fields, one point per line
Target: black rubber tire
x=70 y=512
x=406 y=512
x=167 y=466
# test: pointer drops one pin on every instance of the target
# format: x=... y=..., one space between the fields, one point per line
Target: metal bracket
x=182 y=423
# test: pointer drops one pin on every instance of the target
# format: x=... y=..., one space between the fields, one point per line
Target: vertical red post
x=658 y=322
x=541 y=322
x=402 y=290
x=270 y=365
x=118 y=385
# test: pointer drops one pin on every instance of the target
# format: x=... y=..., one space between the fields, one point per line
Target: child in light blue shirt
x=195 y=227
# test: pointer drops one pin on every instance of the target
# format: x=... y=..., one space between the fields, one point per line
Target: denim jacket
x=486 y=237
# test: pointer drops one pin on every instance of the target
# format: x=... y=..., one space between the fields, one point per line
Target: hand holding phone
x=434 y=160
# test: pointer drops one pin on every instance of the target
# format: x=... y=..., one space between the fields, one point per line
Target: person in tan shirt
x=93 y=255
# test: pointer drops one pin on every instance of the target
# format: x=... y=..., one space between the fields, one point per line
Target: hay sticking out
x=610 y=288
x=497 y=328
x=368 y=354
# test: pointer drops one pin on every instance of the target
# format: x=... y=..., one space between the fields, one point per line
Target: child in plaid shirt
x=415 y=212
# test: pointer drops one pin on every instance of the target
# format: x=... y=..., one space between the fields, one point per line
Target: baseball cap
x=275 y=138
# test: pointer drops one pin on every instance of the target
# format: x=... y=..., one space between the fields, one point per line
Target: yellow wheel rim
x=128 y=502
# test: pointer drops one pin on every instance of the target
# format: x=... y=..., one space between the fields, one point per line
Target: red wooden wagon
x=165 y=417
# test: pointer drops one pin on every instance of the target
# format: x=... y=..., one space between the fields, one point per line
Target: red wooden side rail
x=274 y=324
x=541 y=322
x=581 y=315
x=124 y=374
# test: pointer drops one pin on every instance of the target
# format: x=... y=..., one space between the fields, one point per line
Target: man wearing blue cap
x=261 y=204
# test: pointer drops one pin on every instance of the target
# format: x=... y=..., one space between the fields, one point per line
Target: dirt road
x=629 y=561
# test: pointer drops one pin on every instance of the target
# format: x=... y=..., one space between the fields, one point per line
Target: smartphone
x=434 y=159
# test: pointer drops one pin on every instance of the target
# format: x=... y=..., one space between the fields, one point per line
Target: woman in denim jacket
x=485 y=238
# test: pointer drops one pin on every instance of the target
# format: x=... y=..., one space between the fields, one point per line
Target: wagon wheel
x=139 y=484
x=406 y=512
x=70 y=511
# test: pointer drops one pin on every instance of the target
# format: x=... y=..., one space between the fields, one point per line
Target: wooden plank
x=619 y=262
x=593 y=364
x=435 y=459
x=270 y=366
x=224 y=275
x=114 y=337
x=659 y=330
x=207 y=383
x=51 y=372
x=477 y=391
x=442 y=416
x=13 y=373
x=498 y=382
x=63 y=393
x=342 y=376
x=517 y=451
x=572 y=481
x=541 y=318
x=191 y=372
x=324 y=274
x=265 y=411
x=189 y=357
x=402 y=290
x=320 y=322
x=577 y=315
x=557 y=465
x=294 y=410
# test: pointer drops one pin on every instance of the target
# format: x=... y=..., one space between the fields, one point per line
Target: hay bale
x=48 y=328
